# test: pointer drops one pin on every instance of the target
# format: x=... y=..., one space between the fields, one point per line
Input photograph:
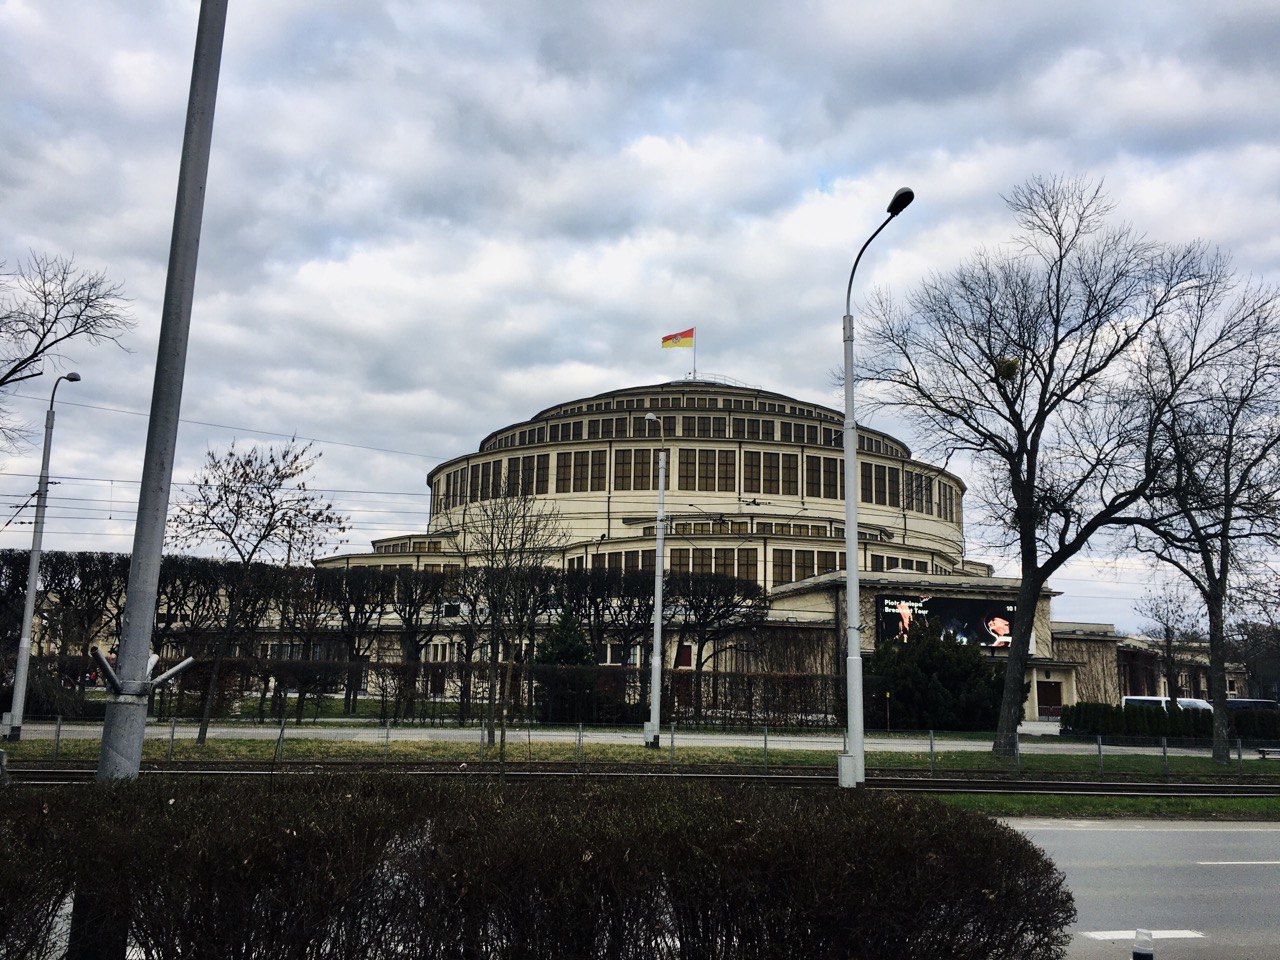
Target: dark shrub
x=345 y=867
x=934 y=682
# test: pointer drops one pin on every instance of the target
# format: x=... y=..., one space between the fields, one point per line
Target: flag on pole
x=682 y=339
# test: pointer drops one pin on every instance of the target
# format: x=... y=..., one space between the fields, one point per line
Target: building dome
x=755 y=485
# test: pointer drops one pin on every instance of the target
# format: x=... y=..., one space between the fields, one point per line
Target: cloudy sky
x=427 y=220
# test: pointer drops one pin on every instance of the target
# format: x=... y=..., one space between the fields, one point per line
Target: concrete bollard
x=1143 y=945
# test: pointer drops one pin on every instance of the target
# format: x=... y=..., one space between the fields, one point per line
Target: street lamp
x=852 y=764
x=33 y=572
x=652 y=729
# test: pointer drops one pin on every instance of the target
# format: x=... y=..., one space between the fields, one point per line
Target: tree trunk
x=1170 y=667
x=1011 y=703
x=210 y=692
x=502 y=743
x=1216 y=605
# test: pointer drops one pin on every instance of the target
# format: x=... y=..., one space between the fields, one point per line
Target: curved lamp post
x=652 y=729
x=852 y=764
x=33 y=571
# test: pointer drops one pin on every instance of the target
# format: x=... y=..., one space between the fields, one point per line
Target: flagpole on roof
x=695 y=353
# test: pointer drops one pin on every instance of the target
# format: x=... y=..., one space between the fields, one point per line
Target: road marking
x=1155 y=934
x=1238 y=863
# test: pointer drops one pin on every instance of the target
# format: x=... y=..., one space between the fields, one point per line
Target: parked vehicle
x=1243 y=703
x=1186 y=703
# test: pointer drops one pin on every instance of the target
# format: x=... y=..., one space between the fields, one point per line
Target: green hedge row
x=1093 y=719
x=347 y=867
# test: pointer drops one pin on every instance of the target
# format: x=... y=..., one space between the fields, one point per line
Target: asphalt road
x=1210 y=891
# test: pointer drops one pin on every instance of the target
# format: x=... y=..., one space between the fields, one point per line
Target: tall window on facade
x=790 y=474
x=598 y=467
x=830 y=478
x=748 y=562
x=701 y=560
x=564 y=472
x=640 y=471
x=484 y=481
x=706 y=470
x=727 y=480
x=622 y=469
x=813 y=476
x=725 y=561
x=513 y=476
x=679 y=560
x=580 y=465
x=526 y=475
x=781 y=567
x=688 y=472
x=826 y=561
x=751 y=471
x=543 y=467
x=946 y=501
x=804 y=564
x=772 y=473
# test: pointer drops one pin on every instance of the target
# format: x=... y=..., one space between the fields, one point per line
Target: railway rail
x=34 y=773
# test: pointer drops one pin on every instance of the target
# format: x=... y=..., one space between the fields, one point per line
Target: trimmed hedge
x=346 y=867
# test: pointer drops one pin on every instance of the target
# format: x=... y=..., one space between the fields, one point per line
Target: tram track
x=34 y=773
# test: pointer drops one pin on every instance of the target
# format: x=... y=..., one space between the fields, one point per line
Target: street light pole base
x=852 y=772
x=652 y=736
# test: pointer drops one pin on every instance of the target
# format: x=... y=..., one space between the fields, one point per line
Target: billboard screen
x=988 y=622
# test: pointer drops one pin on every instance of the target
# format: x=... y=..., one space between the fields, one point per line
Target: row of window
x=890 y=486
x=706 y=426
x=531 y=435
x=707 y=471
x=404 y=546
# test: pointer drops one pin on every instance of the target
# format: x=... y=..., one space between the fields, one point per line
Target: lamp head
x=72 y=376
x=651 y=416
x=901 y=200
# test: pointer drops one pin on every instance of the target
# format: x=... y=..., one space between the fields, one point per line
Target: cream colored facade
x=755 y=489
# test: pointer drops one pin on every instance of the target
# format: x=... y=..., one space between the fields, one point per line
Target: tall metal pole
x=852 y=765
x=653 y=729
x=33 y=572
x=126 y=715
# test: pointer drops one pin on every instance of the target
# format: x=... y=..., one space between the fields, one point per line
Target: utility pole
x=126 y=714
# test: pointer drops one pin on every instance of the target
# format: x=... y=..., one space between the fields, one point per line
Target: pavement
x=1206 y=890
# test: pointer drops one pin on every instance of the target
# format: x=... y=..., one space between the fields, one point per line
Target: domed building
x=754 y=489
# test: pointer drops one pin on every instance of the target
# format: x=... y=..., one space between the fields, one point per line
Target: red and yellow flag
x=682 y=339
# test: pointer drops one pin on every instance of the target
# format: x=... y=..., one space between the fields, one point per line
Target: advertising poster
x=988 y=623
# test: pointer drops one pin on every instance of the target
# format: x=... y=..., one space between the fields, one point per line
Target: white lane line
x=1155 y=934
x=1238 y=863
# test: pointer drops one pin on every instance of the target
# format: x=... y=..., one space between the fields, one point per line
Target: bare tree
x=361 y=597
x=630 y=615
x=1027 y=359
x=255 y=505
x=1215 y=502
x=307 y=614
x=1172 y=615
x=418 y=601
x=714 y=614
x=251 y=507
x=46 y=304
x=514 y=536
